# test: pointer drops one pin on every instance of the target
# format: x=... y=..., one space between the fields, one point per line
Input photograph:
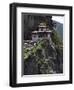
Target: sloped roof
x=42 y=25
x=34 y=32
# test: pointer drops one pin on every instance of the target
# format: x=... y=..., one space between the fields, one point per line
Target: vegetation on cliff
x=45 y=57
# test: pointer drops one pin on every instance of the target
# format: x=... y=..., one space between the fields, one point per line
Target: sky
x=58 y=18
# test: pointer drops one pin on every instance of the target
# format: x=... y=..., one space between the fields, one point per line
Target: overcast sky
x=58 y=18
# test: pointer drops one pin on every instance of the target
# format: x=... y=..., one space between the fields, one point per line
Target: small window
x=34 y=36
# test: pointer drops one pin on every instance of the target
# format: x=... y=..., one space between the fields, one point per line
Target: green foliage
x=36 y=50
x=56 y=38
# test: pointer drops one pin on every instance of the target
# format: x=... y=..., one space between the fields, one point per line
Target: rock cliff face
x=30 y=22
